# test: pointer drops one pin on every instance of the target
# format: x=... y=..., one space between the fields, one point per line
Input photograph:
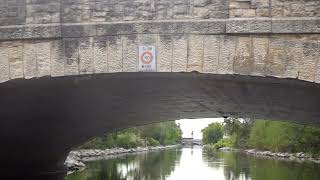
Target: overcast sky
x=195 y=125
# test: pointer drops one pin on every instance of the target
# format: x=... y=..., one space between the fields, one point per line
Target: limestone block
x=243 y=61
x=115 y=29
x=199 y=27
x=249 y=26
x=295 y=25
x=263 y=12
x=283 y=61
x=30 y=59
x=11 y=32
x=239 y=5
x=115 y=63
x=16 y=60
x=164 y=60
x=201 y=13
x=201 y=3
x=100 y=51
x=195 y=53
x=242 y=13
x=57 y=58
x=309 y=61
x=4 y=63
x=227 y=52
x=43 y=59
x=260 y=54
x=211 y=53
x=130 y=53
x=86 y=65
x=78 y=30
x=147 y=39
x=42 y=31
x=179 y=53
x=71 y=52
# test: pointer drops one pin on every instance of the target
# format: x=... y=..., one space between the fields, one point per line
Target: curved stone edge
x=282 y=56
x=216 y=26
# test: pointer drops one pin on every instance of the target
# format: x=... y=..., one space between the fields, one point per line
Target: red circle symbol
x=146 y=57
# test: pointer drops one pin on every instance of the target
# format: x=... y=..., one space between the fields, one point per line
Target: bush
x=225 y=142
x=153 y=142
x=128 y=140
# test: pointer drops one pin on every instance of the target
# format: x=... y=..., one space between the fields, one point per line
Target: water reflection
x=191 y=163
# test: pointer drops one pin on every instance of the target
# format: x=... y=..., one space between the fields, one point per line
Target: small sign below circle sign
x=147 y=59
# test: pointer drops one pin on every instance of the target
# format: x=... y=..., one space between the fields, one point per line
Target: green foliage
x=153 y=135
x=128 y=140
x=153 y=142
x=213 y=133
x=166 y=133
x=239 y=130
x=284 y=136
x=225 y=142
x=266 y=135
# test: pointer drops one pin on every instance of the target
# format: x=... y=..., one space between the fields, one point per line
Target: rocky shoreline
x=76 y=159
x=300 y=157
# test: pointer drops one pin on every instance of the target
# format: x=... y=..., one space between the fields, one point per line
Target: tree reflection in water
x=147 y=166
x=239 y=166
x=191 y=163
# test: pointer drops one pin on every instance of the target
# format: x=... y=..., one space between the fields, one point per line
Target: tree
x=212 y=134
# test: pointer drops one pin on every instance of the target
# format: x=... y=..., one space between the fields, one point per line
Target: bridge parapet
x=278 y=38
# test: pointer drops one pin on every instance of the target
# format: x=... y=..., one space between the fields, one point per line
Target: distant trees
x=166 y=133
x=284 y=136
x=264 y=135
x=213 y=133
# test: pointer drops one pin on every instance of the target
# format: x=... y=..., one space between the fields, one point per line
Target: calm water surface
x=193 y=164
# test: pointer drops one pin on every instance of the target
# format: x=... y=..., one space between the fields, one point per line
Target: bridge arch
x=63 y=62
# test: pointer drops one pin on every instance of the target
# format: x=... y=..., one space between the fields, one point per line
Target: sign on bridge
x=147 y=59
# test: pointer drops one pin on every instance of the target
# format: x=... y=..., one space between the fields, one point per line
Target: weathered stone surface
x=195 y=53
x=71 y=53
x=260 y=47
x=86 y=65
x=43 y=59
x=30 y=60
x=309 y=60
x=4 y=63
x=243 y=56
x=164 y=60
x=16 y=60
x=57 y=58
x=130 y=53
x=226 y=57
x=211 y=53
x=115 y=63
x=296 y=25
x=179 y=53
x=283 y=58
x=249 y=26
x=100 y=51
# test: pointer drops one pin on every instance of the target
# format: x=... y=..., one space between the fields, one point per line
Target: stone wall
x=69 y=37
x=274 y=8
x=283 y=56
x=18 y=12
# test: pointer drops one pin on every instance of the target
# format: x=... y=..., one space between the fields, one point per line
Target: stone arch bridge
x=69 y=69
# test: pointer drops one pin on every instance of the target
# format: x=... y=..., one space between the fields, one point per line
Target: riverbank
x=76 y=159
x=300 y=157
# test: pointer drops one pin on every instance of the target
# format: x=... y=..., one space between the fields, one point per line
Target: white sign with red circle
x=147 y=58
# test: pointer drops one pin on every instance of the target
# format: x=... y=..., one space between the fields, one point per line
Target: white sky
x=195 y=125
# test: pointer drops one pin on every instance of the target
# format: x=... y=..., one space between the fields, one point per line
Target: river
x=193 y=164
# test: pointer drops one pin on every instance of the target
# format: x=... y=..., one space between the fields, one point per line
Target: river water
x=193 y=164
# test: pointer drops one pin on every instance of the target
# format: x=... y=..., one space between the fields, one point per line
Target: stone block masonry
x=282 y=56
x=278 y=38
